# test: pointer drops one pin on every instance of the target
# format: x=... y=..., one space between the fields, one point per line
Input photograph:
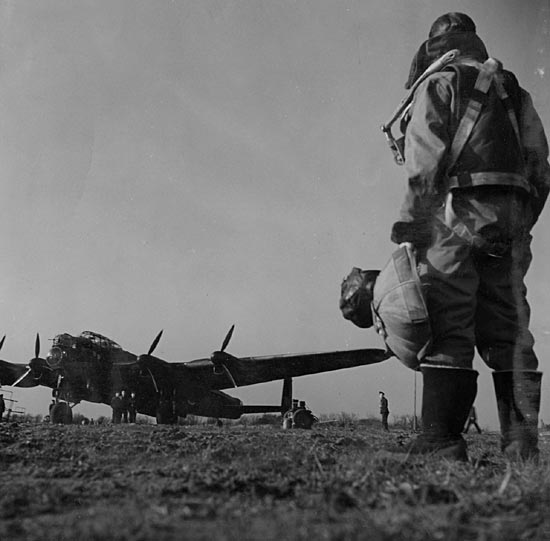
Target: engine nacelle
x=215 y=404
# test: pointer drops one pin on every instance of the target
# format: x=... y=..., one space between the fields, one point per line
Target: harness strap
x=473 y=109
x=488 y=178
x=503 y=95
x=450 y=220
x=478 y=99
x=404 y=263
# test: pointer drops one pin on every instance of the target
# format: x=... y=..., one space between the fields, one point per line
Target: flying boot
x=447 y=396
x=518 y=401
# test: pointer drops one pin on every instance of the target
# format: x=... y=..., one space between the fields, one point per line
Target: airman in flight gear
x=132 y=408
x=476 y=159
x=116 y=405
x=472 y=420
x=124 y=406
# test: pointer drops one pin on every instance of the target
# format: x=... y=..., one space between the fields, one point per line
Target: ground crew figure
x=116 y=405
x=384 y=410
x=2 y=406
x=472 y=420
x=476 y=159
x=50 y=407
x=124 y=406
x=132 y=410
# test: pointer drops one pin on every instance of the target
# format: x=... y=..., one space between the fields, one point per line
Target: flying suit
x=471 y=222
x=476 y=159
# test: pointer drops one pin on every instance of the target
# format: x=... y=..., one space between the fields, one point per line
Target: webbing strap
x=503 y=95
x=483 y=82
x=473 y=109
x=451 y=221
x=488 y=178
x=404 y=263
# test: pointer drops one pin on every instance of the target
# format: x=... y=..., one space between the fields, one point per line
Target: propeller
x=153 y=380
x=155 y=343
x=218 y=358
x=2 y=341
x=143 y=362
x=227 y=338
x=35 y=367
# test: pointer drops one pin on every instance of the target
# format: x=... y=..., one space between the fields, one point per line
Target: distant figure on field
x=384 y=410
x=2 y=406
x=116 y=405
x=124 y=406
x=132 y=408
x=472 y=420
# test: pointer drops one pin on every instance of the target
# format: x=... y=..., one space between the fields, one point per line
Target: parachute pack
x=395 y=300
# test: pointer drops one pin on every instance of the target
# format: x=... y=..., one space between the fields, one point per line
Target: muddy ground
x=141 y=482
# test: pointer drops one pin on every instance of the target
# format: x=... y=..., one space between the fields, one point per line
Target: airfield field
x=146 y=482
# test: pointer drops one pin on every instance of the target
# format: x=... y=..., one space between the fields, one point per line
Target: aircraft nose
x=54 y=358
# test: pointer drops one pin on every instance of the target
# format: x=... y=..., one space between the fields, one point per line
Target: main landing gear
x=61 y=413
x=165 y=413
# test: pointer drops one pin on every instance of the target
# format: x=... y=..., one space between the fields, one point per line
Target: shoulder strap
x=473 y=109
x=483 y=82
x=505 y=98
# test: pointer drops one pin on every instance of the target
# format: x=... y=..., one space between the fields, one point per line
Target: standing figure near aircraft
x=116 y=405
x=384 y=409
x=2 y=406
x=124 y=406
x=472 y=420
x=476 y=159
x=132 y=409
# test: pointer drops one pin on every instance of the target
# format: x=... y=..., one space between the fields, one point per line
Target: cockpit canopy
x=87 y=339
x=87 y=347
x=99 y=340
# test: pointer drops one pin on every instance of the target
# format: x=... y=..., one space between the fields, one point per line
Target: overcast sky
x=187 y=165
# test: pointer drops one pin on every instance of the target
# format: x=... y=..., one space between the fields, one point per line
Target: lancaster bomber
x=92 y=367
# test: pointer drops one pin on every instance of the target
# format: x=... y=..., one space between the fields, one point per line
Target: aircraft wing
x=252 y=370
x=11 y=372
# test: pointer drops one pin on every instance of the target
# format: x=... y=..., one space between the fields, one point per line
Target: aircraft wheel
x=61 y=414
x=166 y=415
x=303 y=419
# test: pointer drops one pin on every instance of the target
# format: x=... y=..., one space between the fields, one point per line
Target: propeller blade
x=124 y=362
x=2 y=341
x=37 y=346
x=22 y=378
x=228 y=373
x=155 y=343
x=153 y=379
x=227 y=338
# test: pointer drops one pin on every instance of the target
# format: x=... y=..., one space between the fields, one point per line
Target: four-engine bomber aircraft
x=92 y=367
